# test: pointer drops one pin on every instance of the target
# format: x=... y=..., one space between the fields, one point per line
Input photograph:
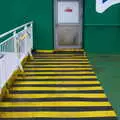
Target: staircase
x=57 y=86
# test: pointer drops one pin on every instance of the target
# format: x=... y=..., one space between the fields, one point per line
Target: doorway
x=68 y=23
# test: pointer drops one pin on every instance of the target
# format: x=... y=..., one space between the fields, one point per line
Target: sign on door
x=68 y=12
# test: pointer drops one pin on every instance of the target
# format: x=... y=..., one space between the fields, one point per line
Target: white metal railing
x=14 y=49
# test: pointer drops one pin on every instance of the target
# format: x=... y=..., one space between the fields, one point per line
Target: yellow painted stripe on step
x=62 y=54
x=40 y=114
x=44 y=73
x=58 y=68
x=56 y=88
x=66 y=57
x=56 y=77
x=62 y=59
x=56 y=82
x=49 y=62
x=59 y=65
x=74 y=61
x=53 y=104
x=71 y=50
x=90 y=95
x=45 y=51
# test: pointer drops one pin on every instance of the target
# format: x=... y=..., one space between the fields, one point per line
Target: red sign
x=68 y=10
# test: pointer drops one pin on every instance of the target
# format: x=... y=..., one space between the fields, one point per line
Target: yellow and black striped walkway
x=57 y=86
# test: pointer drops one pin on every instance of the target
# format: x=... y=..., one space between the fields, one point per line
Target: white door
x=68 y=23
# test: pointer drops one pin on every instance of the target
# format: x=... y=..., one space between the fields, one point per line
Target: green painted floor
x=107 y=68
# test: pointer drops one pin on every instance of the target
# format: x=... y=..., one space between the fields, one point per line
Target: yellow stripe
x=57 y=82
x=61 y=65
x=53 y=104
x=74 y=59
x=60 y=62
x=58 y=68
x=56 y=88
x=56 y=77
x=63 y=59
x=58 y=114
x=66 y=57
x=45 y=51
x=61 y=55
x=94 y=95
x=71 y=50
x=44 y=73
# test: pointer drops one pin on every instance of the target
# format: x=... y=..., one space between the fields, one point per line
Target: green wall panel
x=102 y=39
x=16 y=12
x=101 y=31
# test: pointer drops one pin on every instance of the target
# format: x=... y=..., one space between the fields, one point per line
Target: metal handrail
x=17 y=28
x=14 y=49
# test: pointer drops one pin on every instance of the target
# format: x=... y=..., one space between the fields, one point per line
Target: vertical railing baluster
x=15 y=43
x=17 y=52
x=31 y=40
x=26 y=43
x=31 y=32
x=0 y=66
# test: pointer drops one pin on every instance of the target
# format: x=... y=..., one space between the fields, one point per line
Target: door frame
x=55 y=21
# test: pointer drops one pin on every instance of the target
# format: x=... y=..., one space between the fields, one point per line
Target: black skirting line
x=62 y=53
x=56 y=74
x=75 y=99
x=58 y=70
x=69 y=52
x=56 y=66
x=56 y=63
x=54 y=85
x=62 y=79
x=55 y=91
x=59 y=57
x=99 y=118
x=76 y=60
x=57 y=109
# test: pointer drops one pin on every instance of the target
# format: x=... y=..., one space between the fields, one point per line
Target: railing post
x=31 y=34
x=17 y=52
x=26 y=44
x=31 y=40
x=15 y=43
